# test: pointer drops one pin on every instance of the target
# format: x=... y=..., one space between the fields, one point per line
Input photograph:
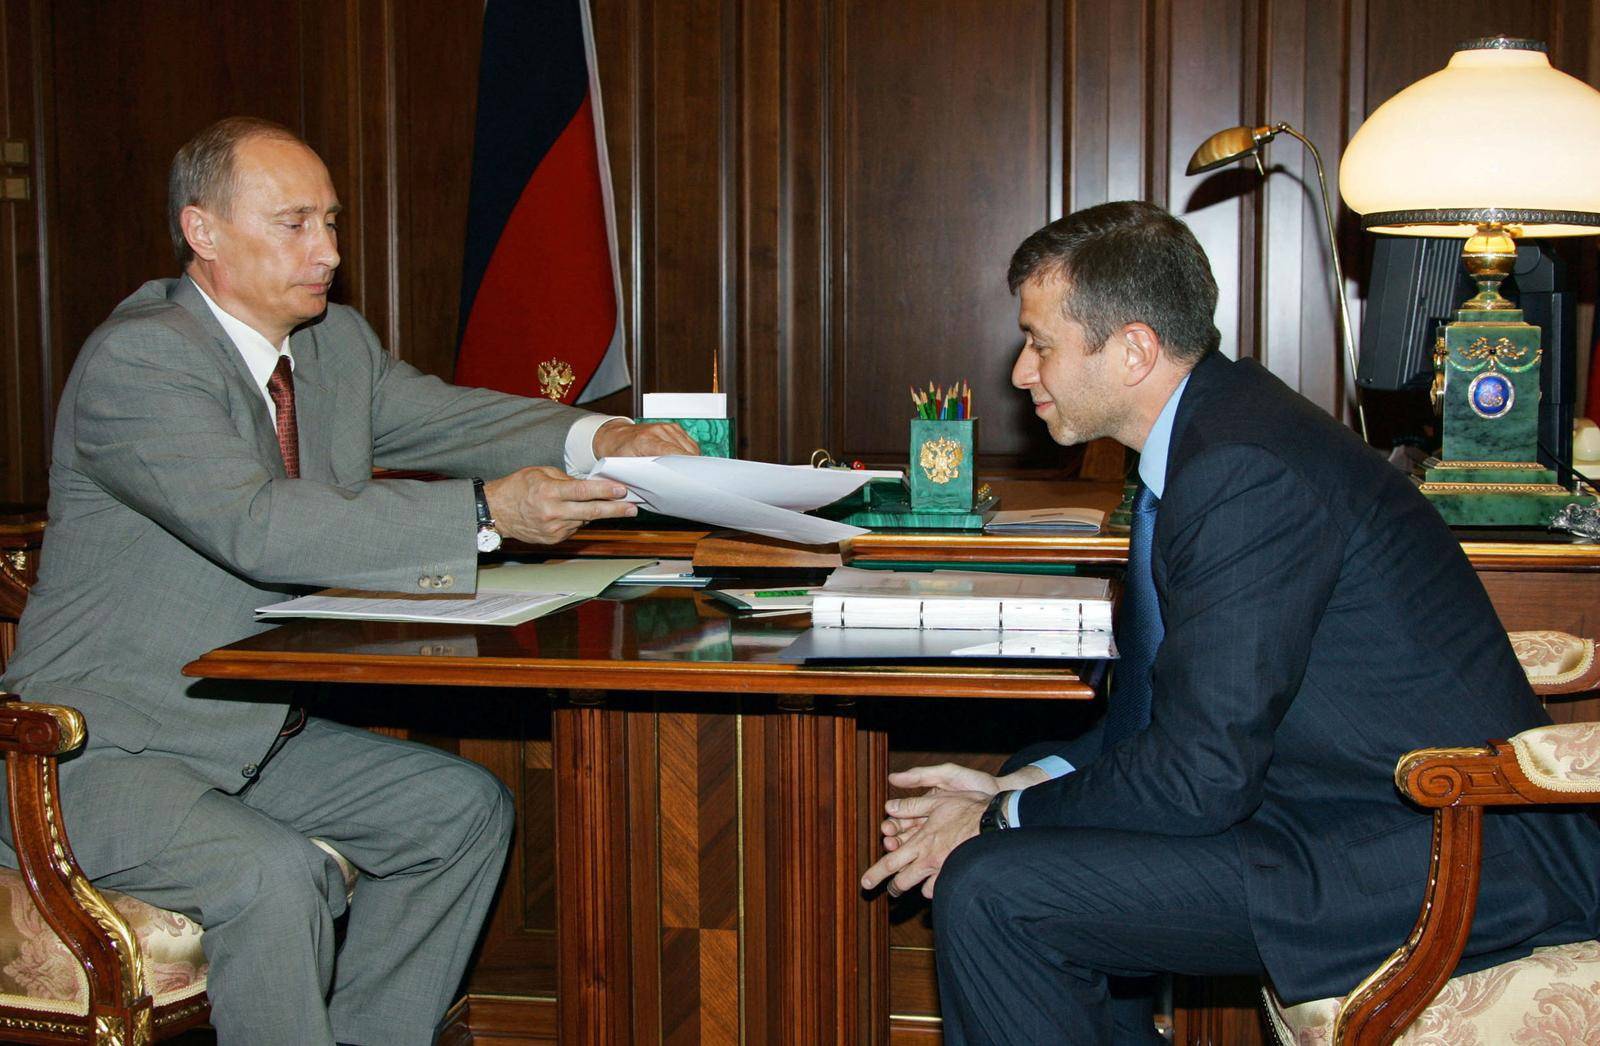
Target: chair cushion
x=1555 y=662
x=1562 y=758
x=37 y=970
x=1548 y=998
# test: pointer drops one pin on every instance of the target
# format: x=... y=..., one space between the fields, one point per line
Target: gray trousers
x=429 y=833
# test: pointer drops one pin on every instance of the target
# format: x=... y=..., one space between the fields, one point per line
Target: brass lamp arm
x=1338 y=273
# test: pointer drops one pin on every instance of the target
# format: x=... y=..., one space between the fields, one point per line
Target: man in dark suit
x=214 y=454
x=1309 y=618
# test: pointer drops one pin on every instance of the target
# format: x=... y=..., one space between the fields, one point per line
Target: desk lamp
x=1236 y=143
x=1495 y=146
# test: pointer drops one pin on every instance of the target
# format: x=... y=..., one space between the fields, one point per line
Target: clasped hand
x=544 y=505
x=921 y=831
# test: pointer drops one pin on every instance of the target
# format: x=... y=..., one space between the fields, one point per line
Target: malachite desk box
x=715 y=435
x=942 y=463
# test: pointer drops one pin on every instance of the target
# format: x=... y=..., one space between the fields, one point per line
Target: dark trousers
x=1048 y=935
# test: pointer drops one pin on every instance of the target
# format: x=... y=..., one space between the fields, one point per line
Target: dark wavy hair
x=1127 y=262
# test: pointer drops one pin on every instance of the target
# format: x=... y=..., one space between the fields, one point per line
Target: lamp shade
x=1495 y=136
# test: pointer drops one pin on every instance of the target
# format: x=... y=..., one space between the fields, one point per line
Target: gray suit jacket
x=171 y=520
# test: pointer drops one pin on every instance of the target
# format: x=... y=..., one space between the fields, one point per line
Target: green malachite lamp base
x=1487 y=379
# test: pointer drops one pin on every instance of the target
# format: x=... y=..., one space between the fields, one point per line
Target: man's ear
x=1141 y=351
x=198 y=230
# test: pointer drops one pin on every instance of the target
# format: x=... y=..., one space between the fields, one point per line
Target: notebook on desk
x=1047 y=521
x=961 y=599
x=891 y=646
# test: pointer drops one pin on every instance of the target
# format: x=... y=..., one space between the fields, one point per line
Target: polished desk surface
x=657 y=639
x=1487 y=549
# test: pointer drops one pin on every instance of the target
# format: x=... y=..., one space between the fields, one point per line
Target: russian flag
x=540 y=288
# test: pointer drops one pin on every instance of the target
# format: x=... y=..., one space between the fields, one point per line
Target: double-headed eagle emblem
x=555 y=378
x=941 y=459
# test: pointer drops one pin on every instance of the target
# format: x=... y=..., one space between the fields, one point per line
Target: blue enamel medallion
x=1491 y=395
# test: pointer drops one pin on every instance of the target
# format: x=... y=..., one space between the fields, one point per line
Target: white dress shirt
x=1153 y=474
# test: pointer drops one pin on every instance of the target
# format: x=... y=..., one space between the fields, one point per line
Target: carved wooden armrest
x=1457 y=783
x=32 y=736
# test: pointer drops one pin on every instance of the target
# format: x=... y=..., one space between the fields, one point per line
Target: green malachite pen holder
x=943 y=461
x=715 y=435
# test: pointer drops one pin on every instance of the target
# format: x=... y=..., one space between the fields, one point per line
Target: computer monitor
x=1418 y=282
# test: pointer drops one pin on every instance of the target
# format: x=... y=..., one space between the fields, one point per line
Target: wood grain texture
x=27 y=382
x=772 y=678
x=645 y=871
x=594 y=993
x=801 y=203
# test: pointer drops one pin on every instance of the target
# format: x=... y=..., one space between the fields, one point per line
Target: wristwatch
x=994 y=815
x=488 y=536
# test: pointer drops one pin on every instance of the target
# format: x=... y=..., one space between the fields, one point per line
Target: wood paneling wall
x=817 y=200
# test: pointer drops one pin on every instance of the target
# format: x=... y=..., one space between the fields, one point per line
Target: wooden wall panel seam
x=399 y=344
x=1060 y=104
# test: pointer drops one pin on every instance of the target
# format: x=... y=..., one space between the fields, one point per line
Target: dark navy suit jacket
x=1321 y=621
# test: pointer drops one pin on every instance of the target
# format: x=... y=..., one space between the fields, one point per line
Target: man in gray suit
x=214 y=453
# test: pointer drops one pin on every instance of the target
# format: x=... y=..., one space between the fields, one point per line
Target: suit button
x=249 y=770
x=446 y=581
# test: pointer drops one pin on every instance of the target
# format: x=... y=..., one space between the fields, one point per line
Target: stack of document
x=1047 y=521
x=754 y=496
x=508 y=594
x=962 y=599
x=765 y=600
x=679 y=572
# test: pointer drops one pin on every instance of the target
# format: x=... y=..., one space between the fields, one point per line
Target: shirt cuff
x=577 y=456
x=1054 y=766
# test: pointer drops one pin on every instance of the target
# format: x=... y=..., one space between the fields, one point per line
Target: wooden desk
x=738 y=794
x=811 y=954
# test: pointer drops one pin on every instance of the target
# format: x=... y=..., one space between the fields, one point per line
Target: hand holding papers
x=753 y=496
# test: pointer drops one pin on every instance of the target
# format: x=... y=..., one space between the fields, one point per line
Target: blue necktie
x=1139 y=629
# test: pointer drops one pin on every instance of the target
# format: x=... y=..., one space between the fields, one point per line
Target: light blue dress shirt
x=1153 y=474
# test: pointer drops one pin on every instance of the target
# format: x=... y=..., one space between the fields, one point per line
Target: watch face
x=488 y=539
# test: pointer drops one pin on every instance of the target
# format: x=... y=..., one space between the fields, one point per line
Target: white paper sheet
x=685 y=405
x=961 y=599
x=509 y=593
x=484 y=609
x=770 y=499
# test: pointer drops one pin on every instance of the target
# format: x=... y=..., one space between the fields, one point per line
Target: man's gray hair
x=203 y=174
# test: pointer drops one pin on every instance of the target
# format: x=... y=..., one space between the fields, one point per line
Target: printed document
x=509 y=593
x=753 y=496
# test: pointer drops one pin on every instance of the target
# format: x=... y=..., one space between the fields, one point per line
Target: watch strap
x=994 y=817
x=488 y=533
x=481 y=501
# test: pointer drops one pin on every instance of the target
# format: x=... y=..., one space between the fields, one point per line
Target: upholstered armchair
x=77 y=963
x=1544 y=998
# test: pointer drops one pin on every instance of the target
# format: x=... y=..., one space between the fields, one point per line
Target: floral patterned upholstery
x=37 y=970
x=1549 y=998
x=1556 y=662
x=1562 y=758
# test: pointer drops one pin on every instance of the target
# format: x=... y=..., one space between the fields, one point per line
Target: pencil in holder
x=942 y=464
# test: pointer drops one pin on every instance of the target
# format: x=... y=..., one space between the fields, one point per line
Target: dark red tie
x=281 y=388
